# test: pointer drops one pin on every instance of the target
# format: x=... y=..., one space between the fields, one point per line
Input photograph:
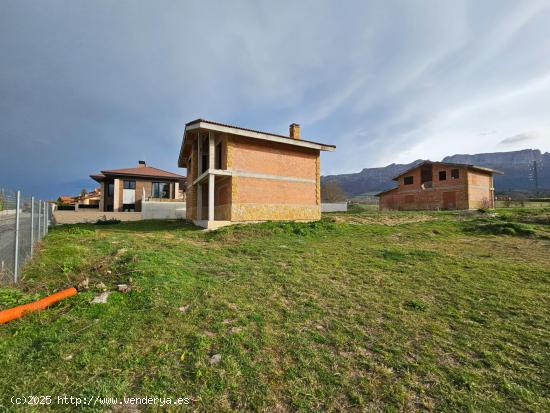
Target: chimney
x=141 y=164
x=295 y=131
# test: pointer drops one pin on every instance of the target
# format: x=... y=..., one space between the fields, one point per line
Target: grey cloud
x=86 y=86
x=522 y=137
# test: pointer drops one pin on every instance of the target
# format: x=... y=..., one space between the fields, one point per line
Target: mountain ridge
x=518 y=168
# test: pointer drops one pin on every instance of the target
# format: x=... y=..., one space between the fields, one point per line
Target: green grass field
x=358 y=312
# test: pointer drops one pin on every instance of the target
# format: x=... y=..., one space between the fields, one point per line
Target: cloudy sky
x=91 y=85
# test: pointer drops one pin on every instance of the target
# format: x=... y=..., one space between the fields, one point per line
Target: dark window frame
x=442 y=175
x=408 y=180
x=110 y=189
x=128 y=207
x=455 y=173
x=156 y=192
x=129 y=184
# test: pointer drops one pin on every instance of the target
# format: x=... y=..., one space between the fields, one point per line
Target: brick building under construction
x=238 y=175
x=439 y=185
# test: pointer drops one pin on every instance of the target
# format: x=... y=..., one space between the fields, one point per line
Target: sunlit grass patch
x=357 y=312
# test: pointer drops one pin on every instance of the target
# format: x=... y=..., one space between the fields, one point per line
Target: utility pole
x=536 y=177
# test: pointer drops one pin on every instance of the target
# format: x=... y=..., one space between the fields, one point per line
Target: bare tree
x=332 y=192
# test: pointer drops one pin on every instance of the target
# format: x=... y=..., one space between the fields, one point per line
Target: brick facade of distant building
x=438 y=185
x=122 y=190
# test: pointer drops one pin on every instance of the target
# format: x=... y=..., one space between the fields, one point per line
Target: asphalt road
x=7 y=240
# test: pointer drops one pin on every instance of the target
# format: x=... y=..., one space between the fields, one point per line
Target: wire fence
x=24 y=221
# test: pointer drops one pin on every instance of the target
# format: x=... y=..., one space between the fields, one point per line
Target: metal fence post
x=47 y=216
x=44 y=220
x=16 y=255
x=39 y=222
x=32 y=224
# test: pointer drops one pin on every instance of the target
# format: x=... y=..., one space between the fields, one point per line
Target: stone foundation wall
x=275 y=212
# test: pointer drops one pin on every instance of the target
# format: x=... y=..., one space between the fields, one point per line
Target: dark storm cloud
x=86 y=85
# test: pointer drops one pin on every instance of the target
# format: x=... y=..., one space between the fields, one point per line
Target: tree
x=331 y=192
x=83 y=192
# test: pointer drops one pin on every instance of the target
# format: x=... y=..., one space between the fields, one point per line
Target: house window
x=110 y=189
x=426 y=173
x=129 y=184
x=442 y=175
x=219 y=156
x=161 y=190
x=455 y=173
x=129 y=207
x=408 y=180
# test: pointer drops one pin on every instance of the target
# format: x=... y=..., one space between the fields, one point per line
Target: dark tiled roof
x=146 y=171
x=254 y=130
x=457 y=165
x=97 y=177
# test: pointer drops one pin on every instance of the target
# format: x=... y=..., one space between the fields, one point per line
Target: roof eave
x=98 y=178
x=201 y=124
x=116 y=174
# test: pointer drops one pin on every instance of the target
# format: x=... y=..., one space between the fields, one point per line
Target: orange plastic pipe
x=19 y=311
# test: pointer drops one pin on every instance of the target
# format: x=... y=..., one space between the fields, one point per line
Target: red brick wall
x=258 y=191
x=273 y=158
x=415 y=197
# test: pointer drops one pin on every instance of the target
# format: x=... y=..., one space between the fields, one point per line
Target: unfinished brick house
x=238 y=175
x=438 y=185
x=122 y=190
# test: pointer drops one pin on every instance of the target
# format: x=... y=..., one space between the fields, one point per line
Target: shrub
x=105 y=221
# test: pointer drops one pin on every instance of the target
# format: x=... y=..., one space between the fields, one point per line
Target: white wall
x=162 y=210
x=334 y=207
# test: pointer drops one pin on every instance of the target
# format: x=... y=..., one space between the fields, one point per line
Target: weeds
x=433 y=311
x=105 y=221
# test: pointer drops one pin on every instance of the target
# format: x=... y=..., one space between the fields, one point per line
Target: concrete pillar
x=116 y=196
x=176 y=190
x=199 y=157
x=199 y=201
x=211 y=197
x=211 y=151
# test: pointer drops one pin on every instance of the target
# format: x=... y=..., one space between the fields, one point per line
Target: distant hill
x=516 y=165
